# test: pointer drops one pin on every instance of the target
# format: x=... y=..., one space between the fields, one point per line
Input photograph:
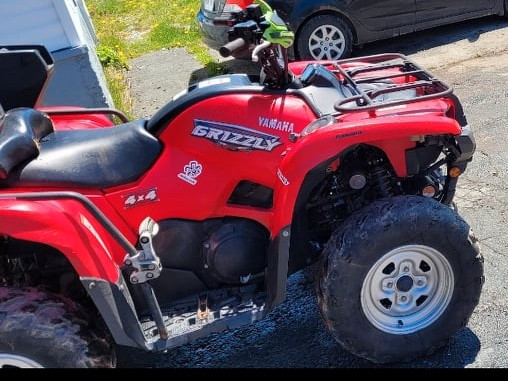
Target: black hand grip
x=232 y=46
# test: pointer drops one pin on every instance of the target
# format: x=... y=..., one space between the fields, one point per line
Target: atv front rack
x=426 y=86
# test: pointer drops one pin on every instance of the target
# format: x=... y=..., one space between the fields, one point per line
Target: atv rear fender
x=67 y=226
x=70 y=223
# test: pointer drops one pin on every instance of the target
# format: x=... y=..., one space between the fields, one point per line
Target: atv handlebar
x=233 y=46
x=258 y=48
x=258 y=27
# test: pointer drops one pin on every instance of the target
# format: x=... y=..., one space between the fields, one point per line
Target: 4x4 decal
x=234 y=136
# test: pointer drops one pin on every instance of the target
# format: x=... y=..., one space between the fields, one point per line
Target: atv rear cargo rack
x=365 y=100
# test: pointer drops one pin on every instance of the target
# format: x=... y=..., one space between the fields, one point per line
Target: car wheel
x=399 y=278
x=325 y=37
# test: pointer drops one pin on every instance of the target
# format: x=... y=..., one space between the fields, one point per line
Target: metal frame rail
x=365 y=100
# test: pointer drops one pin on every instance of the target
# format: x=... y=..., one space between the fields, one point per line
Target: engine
x=235 y=252
x=198 y=256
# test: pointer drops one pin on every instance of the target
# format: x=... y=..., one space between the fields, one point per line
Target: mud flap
x=115 y=305
x=277 y=270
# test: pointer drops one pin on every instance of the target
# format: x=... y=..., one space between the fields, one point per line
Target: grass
x=130 y=28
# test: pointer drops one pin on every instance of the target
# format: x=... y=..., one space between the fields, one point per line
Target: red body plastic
x=161 y=193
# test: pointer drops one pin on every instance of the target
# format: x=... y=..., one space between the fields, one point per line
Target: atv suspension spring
x=384 y=182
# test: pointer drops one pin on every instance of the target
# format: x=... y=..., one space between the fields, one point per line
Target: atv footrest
x=187 y=326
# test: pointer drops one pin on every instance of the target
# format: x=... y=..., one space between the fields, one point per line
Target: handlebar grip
x=232 y=46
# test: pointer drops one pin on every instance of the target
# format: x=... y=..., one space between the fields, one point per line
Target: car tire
x=44 y=330
x=325 y=37
x=399 y=278
x=506 y=9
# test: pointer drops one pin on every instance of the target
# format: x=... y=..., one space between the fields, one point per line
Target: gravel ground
x=156 y=77
x=473 y=57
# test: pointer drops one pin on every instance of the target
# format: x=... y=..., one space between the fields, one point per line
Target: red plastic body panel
x=241 y=3
x=325 y=143
x=164 y=193
x=77 y=122
x=222 y=169
x=67 y=226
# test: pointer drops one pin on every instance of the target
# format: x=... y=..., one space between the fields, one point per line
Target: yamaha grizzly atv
x=154 y=233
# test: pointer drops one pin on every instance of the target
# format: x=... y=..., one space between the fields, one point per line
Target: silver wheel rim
x=327 y=42
x=15 y=361
x=407 y=289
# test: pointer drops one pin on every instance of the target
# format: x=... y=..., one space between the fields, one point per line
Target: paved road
x=473 y=57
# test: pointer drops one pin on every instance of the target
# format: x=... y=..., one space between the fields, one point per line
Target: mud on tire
x=399 y=278
x=51 y=331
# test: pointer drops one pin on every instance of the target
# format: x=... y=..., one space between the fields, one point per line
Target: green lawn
x=130 y=28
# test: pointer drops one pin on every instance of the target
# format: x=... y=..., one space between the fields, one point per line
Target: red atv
x=157 y=232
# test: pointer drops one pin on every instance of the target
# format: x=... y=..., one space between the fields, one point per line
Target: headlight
x=318 y=123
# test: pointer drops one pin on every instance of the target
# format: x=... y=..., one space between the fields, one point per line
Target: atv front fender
x=312 y=154
x=393 y=135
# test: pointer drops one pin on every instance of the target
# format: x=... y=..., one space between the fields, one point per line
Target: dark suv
x=328 y=29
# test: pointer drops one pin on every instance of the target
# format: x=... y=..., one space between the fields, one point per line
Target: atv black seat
x=20 y=132
x=96 y=158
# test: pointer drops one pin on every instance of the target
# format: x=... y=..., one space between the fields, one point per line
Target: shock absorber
x=384 y=183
